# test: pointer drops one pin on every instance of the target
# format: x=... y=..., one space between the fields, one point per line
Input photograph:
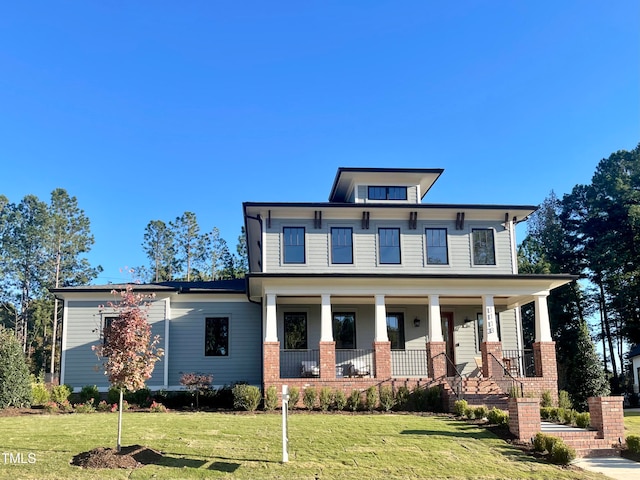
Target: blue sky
x=144 y=110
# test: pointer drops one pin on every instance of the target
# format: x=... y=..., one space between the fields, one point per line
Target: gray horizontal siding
x=186 y=346
x=365 y=242
x=83 y=327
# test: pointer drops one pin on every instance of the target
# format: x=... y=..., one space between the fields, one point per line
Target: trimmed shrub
x=271 y=399
x=567 y=416
x=386 y=398
x=554 y=414
x=564 y=401
x=371 y=398
x=15 y=385
x=88 y=392
x=633 y=443
x=481 y=412
x=196 y=383
x=51 y=407
x=309 y=398
x=402 y=397
x=66 y=406
x=325 y=398
x=294 y=397
x=60 y=393
x=353 y=402
x=246 y=397
x=113 y=395
x=40 y=393
x=434 y=399
x=341 y=400
x=546 y=400
x=562 y=454
x=419 y=399
x=103 y=406
x=545 y=413
x=459 y=407
x=156 y=407
x=85 y=407
x=498 y=417
x=141 y=397
x=470 y=413
x=540 y=442
x=583 y=419
x=549 y=442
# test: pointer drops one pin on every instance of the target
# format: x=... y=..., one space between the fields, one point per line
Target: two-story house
x=370 y=287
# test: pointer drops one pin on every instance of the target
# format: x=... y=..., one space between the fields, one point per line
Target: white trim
x=435 y=319
x=514 y=253
x=263 y=248
x=270 y=318
x=63 y=347
x=380 y=334
x=167 y=319
x=326 y=319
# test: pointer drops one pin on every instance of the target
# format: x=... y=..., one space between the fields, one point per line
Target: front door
x=447 y=332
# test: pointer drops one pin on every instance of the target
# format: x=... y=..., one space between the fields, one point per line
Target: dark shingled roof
x=237 y=285
x=635 y=351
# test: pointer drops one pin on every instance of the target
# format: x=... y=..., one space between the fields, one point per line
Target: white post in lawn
x=119 y=421
x=285 y=423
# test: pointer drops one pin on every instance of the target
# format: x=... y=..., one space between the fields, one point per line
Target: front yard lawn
x=248 y=446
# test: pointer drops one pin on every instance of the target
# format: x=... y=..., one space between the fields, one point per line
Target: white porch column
x=435 y=319
x=381 y=320
x=326 y=331
x=489 y=315
x=271 y=324
x=543 y=327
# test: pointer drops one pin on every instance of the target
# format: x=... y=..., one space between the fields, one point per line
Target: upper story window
x=293 y=244
x=387 y=193
x=216 y=337
x=437 y=246
x=389 y=248
x=341 y=245
x=295 y=331
x=484 y=252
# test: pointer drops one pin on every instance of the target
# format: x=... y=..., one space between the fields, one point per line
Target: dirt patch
x=133 y=456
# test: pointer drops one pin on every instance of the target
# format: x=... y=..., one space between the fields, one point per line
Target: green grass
x=212 y=445
x=631 y=423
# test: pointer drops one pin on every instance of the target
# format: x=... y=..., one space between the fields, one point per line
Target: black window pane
x=395 y=330
x=344 y=330
x=389 y=245
x=295 y=331
x=341 y=245
x=437 y=246
x=216 y=337
x=293 y=244
x=483 y=247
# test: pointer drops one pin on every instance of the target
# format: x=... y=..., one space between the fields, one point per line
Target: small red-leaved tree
x=129 y=352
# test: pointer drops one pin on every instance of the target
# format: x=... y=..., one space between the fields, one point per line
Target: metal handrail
x=514 y=380
x=458 y=375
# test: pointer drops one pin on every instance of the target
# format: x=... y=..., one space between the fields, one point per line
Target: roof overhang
x=509 y=291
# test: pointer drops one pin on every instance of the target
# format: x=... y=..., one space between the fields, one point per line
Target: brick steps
x=478 y=392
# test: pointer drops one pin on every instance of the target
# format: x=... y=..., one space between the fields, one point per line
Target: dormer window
x=387 y=193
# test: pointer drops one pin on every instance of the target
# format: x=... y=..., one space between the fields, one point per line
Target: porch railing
x=504 y=379
x=409 y=363
x=291 y=362
x=519 y=363
x=358 y=362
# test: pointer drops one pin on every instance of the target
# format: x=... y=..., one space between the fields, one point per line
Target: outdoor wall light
x=416 y=322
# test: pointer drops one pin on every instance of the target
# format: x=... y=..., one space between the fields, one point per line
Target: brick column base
x=607 y=417
x=382 y=359
x=544 y=358
x=490 y=366
x=328 y=360
x=524 y=417
x=271 y=361
x=436 y=361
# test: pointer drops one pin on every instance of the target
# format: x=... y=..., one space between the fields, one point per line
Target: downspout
x=259 y=219
x=63 y=341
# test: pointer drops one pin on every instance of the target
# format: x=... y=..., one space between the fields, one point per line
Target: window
x=483 y=247
x=395 y=330
x=216 y=337
x=387 y=193
x=295 y=331
x=293 y=242
x=341 y=245
x=107 y=324
x=389 y=245
x=344 y=330
x=437 y=246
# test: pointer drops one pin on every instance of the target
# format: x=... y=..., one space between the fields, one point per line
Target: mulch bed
x=133 y=456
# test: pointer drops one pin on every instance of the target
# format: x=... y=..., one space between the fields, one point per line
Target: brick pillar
x=607 y=417
x=524 y=417
x=544 y=358
x=271 y=363
x=436 y=361
x=382 y=359
x=328 y=360
x=490 y=366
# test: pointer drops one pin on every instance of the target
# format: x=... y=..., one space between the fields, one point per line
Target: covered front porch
x=342 y=335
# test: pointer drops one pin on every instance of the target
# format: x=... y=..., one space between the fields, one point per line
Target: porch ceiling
x=508 y=290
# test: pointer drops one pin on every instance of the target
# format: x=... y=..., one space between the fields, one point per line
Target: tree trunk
x=607 y=327
x=118 y=446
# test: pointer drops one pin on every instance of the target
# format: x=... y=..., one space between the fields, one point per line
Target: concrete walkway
x=612 y=467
